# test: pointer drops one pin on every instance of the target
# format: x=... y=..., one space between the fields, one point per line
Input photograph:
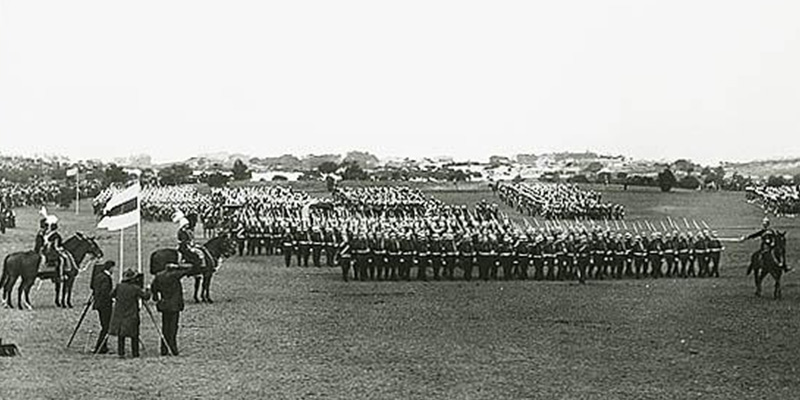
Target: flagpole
x=121 y=252
x=139 y=234
x=77 y=193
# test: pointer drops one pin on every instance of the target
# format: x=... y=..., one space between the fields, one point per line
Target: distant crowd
x=558 y=201
x=36 y=193
x=778 y=200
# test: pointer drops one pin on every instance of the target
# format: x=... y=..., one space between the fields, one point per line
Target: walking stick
x=155 y=325
x=80 y=321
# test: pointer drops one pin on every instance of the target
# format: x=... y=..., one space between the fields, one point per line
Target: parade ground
x=276 y=332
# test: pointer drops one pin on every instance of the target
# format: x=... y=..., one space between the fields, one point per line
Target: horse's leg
x=57 y=288
x=28 y=287
x=68 y=291
x=760 y=274
x=207 y=288
x=777 y=293
x=196 y=288
x=9 y=290
x=20 y=289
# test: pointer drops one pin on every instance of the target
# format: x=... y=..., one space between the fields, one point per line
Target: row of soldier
x=558 y=201
x=374 y=248
x=779 y=200
x=35 y=193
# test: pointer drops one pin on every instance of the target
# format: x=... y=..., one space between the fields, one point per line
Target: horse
x=25 y=264
x=214 y=250
x=774 y=264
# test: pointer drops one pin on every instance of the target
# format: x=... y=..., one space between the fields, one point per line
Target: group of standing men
x=118 y=307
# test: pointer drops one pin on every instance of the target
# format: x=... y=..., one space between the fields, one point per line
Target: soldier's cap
x=108 y=265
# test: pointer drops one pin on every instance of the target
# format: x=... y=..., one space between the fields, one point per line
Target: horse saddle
x=52 y=265
x=201 y=252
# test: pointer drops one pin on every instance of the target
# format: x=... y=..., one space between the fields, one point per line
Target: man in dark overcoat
x=168 y=293
x=125 y=319
x=101 y=286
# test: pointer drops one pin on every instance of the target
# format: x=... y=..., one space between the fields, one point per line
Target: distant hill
x=765 y=168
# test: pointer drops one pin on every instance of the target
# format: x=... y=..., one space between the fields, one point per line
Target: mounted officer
x=768 y=236
x=49 y=244
x=186 y=245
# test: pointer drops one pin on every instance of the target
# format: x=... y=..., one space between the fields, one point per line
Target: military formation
x=399 y=233
x=375 y=234
x=778 y=200
x=558 y=201
x=158 y=203
x=36 y=193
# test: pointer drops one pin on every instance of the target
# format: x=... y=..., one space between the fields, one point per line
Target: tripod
x=155 y=326
x=89 y=303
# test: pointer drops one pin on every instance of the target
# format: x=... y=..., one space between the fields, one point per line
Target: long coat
x=168 y=291
x=101 y=290
x=125 y=319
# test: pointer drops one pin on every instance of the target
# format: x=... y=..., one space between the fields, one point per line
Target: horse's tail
x=4 y=277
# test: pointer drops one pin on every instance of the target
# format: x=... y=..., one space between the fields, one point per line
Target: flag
x=72 y=172
x=122 y=210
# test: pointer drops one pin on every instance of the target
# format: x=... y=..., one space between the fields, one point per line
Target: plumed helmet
x=178 y=216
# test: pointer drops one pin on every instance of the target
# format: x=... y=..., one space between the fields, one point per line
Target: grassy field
x=302 y=333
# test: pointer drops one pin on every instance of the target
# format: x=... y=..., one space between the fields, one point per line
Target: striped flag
x=122 y=210
x=72 y=172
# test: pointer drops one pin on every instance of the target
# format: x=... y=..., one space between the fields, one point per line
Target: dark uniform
x=125 y=318
x=466 y=256
x=168 y=293
x=185 y=244
x=714 y=251
x=101 y=286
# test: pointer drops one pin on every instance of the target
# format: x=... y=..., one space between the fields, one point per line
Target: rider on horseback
x=50 y=245
x=768 y=237
x=186 y=245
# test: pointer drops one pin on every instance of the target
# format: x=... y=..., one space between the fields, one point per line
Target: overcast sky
x=707 y=80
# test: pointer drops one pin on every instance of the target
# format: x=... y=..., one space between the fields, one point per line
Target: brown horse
x=25 y=264
x=772 y=263
x=214 y=250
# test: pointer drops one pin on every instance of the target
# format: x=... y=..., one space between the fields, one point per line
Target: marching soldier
x=303 y=246
x=669 y=254
x=317 y=243
x=435 y=254
x=535 y=251
x=485 y=257
x=701 y=255
x=505 y=247
x=394 y=254
x=583 y=253
x=423 y=258
x=655 y=252
x=345 y=259
x=466 y=251
x=639 y=256
x=522 y=258
x=684 y=256
x=287 y=246
x=450 y=253
x=715 y=251
x=408 y=255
